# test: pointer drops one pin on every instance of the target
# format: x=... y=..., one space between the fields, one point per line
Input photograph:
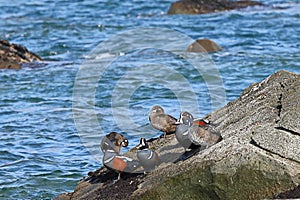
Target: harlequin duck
x=182 y=130
x=111 y=145
x=161 y=121
x=114 y=141
x=148 y=159
x=202 y=133
x=118 y=163
x=202 y=122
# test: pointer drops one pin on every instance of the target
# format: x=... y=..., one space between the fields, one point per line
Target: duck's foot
x=115 y=181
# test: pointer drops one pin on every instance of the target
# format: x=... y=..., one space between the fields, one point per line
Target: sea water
x=54 y=113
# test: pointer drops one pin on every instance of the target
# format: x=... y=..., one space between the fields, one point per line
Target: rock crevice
x=287 y=130
x=254 y=143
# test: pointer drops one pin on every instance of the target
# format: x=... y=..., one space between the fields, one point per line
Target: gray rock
x=258 y=157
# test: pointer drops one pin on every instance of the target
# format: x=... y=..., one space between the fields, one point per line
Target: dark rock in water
x=204 y=45
x=208 y=6
x=8 y=64
x=11 y=55
x=258 y=158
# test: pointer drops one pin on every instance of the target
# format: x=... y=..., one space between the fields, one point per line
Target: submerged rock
x=12 y=55
x=208 y=6
x=258 y=158
x=204 y=45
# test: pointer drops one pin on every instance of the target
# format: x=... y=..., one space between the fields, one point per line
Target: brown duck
x=161 y=121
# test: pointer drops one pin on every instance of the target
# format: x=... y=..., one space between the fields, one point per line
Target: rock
x=258 y=158
x=204 y=45
x=11 y=55
x=289 y=194
x=208 y=6
x=8 y=64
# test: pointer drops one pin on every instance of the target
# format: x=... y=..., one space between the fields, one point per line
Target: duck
x=202 y=132
x=161 y=121
x=119 y=163
x=147 y=158
x=194 y=133
x=112 y=159
x=184 y=122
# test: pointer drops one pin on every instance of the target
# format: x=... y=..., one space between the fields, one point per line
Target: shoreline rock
x=12 y=55
x=208 y=6
x=258 y=158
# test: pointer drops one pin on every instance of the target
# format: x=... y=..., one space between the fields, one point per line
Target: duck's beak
x=125 y=143
x=177 y=123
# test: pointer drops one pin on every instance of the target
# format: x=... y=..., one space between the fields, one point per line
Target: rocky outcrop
x=258 y=158
x=11 y=55
x=208 y=6
x=204 y=45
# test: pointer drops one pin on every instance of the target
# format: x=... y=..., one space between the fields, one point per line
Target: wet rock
x=258 y=158
x=8 y=64
x=12 y=55
x=208 y=6
x=204 y=45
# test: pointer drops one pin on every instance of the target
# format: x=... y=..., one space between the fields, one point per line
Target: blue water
x=54 y=113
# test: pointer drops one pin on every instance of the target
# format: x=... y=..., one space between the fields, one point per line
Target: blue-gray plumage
x=182 y=130
x=196 y=132
x=148 y=159
x=118 y=163
x=111 y=145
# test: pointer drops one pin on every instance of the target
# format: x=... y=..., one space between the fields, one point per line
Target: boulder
x=258 y=158
x=12 y=55
x=204 y=45
x=208 y=6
